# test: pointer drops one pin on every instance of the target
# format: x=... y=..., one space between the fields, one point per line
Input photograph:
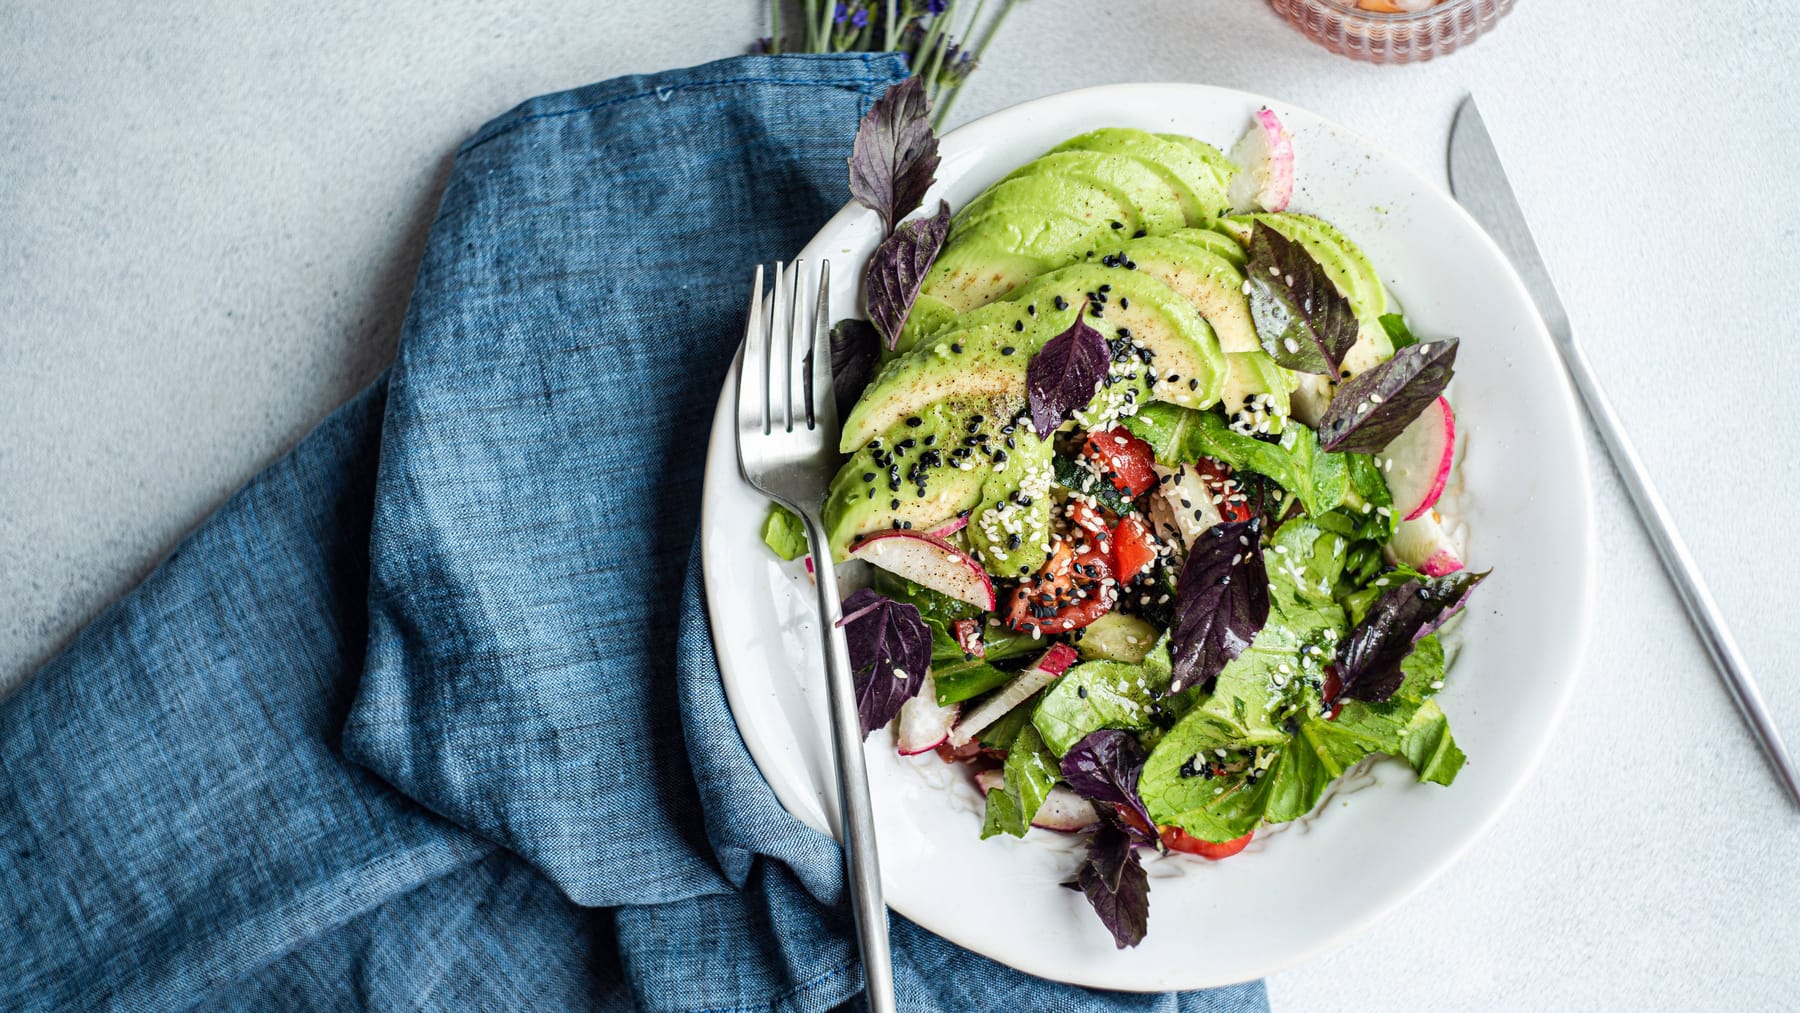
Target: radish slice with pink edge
x=930 y=562
x=1047 y=670
x=924 y=723
x=1423 y=544
x=1417 y=462
x=1063 y=810
x=1266 y=155
x=950 y=527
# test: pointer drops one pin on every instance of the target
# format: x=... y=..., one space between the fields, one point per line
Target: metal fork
x=787 y=437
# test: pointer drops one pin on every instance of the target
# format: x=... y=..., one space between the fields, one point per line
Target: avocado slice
x=1212 y=283
x=928 y=315
x=1008 y=530
x=958 y=459
x=879 y=487
x=1136 y=185
x=1200 y=184
x=1222 y=166
x=1256 y=389
x=1348 y=268
x=983 y=357
x=1144 y=319
x=980 y=360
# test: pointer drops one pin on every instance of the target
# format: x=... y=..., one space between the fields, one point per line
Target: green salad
x=1146 y=463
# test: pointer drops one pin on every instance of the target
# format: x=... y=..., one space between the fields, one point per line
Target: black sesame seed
x=1060 y=303
x=1018 y=325
x=914 y=422
x=1117 y=225
x=893 y=504
x=1031 y=309
x=955 y=348
x=929 y=440
x=1008 y=350
x=1081 y=691
x=1139 y=234
x=1124 y=303
x=868 y=476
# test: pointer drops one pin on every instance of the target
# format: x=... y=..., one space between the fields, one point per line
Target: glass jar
x=1343 y=26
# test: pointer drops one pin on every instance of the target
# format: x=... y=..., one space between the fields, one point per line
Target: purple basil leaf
x=1301 y=320
x=1105 y=767
x=1367 y=412
x=890 y=651
x=897 y=269
x=1368 y=664
x=1113 y=879
x=1064 y=375
x=895 y=156
x=855 y=352
x=1221 y=602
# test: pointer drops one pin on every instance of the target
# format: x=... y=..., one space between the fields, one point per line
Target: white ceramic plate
x=1527 y=504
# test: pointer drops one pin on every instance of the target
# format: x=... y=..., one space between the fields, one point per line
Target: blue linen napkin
x=428 y=713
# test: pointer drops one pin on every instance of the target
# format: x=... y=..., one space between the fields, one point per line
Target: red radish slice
x=1048 y=669
x=1417 y=462
x=1063 y=810
x=1423 y=544
x=924 y=723
x=1187 y=502
x=930 y=562
x=1266 y=154
x=950 y=527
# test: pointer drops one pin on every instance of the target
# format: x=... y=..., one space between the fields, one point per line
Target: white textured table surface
x=209 y=221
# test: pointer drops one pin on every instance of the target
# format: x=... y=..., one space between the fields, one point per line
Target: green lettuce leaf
x=1031 y=772
x=1320 y=480
x=784 y=532
x=1272 y=686
x=1102 y=694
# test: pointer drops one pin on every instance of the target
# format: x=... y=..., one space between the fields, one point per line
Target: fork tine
x=821 y=401
x=776 y=310
x=752 y=385
x=788 y=374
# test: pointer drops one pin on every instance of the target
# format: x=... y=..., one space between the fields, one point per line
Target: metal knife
x=1479 y=183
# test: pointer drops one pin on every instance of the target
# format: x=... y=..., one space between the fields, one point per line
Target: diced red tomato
x=1330 y=689
x=1134 y=548
x=1125 y=459
x=1177 y=839
x=1067 y=594
x=968 y=637
x=1219 y=477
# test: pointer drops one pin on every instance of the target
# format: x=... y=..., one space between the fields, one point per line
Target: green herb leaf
x=1397 y=331
x=784 y=532
x=1031 y=772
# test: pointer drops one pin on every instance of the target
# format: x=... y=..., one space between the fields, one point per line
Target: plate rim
x=1569 y=414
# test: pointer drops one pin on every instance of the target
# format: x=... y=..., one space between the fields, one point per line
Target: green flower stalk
x=924 y=32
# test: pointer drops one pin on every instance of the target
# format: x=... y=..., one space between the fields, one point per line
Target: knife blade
x=1480 y=185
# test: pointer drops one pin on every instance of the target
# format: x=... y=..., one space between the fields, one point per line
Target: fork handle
x=856 y=820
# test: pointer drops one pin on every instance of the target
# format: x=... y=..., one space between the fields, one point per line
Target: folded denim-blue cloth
x=428 y=714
